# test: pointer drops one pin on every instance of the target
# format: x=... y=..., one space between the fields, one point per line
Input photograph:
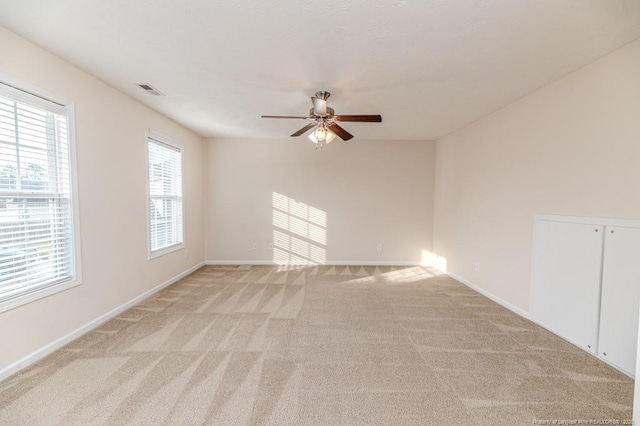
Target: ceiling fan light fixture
x=321 y=136
x=330 y=136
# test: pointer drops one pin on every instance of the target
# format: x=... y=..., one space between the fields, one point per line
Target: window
x=165 y=195
x=39 y=242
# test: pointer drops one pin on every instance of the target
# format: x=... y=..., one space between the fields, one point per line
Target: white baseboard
x=329 y=263
x=526 y=315
x=57 y=344
x=491 y=296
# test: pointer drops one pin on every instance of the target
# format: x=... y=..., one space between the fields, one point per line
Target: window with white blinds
x=37 y=233
x=165 y=195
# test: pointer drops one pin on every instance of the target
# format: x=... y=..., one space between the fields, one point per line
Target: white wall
x=570 y=148
x=369 y=192
x=110 y=130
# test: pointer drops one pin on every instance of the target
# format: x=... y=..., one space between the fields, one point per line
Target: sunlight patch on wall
x=434 y=260
x=300 y=232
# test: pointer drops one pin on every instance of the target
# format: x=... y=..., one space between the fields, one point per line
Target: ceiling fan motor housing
x=330 y=113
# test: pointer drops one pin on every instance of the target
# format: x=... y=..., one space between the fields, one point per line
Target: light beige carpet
x=316 y=346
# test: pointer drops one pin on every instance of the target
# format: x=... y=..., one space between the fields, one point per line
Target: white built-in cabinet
x=586 y=284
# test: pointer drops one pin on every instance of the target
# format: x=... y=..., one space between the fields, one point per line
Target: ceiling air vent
x=151 y=89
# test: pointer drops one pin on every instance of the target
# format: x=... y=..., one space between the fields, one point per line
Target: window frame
x=167 y=140
x=35 y=96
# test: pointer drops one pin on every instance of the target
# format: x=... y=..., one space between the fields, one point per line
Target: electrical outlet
x=379 y=247
x=186 y=253
x=254 y=246
x=270 y=246
x=477 y=267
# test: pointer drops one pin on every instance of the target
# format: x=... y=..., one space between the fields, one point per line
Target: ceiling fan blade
x=304 y=129
x=285 y=116
x=359 y=118
x=319 y=106
x=344 y=135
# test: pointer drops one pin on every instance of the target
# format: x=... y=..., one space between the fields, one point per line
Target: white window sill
x=23 y=299
x=166 y=250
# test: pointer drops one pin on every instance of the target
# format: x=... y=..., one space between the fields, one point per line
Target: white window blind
x=36 y=208
x=165 y=195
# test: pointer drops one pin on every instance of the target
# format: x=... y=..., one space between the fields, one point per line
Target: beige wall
x=570 y=148
x=369 y=192
x=110 y=130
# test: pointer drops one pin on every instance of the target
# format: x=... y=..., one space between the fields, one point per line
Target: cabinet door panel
x=620 y=297
x=565 y=291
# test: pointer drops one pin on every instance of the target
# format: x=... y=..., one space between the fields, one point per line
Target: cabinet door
x=565 y=294
x=620 y=297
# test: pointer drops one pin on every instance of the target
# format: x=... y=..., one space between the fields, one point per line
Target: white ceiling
x=428 y=67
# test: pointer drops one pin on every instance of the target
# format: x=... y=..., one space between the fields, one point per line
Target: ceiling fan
x=324 y=121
